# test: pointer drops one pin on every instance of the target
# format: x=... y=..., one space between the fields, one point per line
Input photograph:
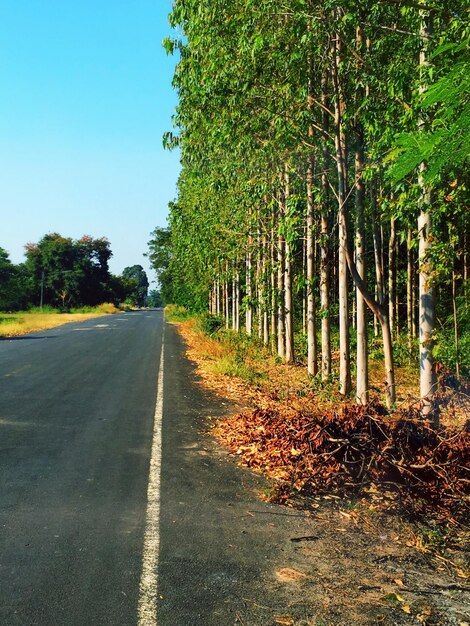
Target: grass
x=15 y=324
x=175 y=313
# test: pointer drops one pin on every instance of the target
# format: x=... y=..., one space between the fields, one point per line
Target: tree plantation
x=324 y=188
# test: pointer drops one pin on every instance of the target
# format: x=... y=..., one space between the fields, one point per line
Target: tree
x=138 y=294
x=159 y=255
x=9 y=283
x=155 y=299
x=437 y=151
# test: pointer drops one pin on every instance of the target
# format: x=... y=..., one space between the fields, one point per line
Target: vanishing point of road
x=116 y=507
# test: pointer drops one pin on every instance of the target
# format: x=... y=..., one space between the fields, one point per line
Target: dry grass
x=15 y=324
x=259 y=379
x=284 y=380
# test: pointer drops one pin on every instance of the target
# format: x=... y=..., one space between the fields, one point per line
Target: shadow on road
x=27 y=338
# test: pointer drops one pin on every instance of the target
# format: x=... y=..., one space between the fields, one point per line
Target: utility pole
x=42 y=290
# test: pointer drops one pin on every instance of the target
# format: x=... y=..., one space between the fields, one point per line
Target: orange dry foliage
x=352 y=447
x=310 y=443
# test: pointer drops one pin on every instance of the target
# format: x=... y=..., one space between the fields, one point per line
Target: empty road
x=116 y=507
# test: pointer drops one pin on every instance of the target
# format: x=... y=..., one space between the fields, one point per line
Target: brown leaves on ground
x=343 y=449
x=309 y=443
x=290 y=575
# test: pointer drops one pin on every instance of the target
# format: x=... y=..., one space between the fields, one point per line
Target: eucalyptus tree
x=437 y=151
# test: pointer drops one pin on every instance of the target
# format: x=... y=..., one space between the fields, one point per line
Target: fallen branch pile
x=356 y=447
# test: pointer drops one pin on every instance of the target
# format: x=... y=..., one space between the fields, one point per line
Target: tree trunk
x=428 y=379
x=409 y=289
x=281 y=329
x=227 y=294
x=414 y=304
x=289 y=357
x=465 y=268
x=226 y=303
x=325 y=301
x=310 y=250
x=265 y=292
x=324 y=246
x=272 y=275
x=237 y=301
x=390 y=391
x=456 y=323
x=376 y=323
x=341 y=161
x=304 y=277
x=377 y=308
x=249 y=290
x=397 y=290
x=217 y=296
x=392 y=273
x=234 y=299
x=259 y=289
x=362 y=352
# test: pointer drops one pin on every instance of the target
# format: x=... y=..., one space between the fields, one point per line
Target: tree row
x=324 y=184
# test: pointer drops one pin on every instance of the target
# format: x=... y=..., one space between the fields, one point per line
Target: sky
x=85 y=97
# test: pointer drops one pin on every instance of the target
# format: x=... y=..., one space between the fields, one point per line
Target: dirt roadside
x=358 y=561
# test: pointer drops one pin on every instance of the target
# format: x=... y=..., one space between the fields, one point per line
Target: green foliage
x=66 y=274
x=82 y=309
x=159 y=255
x=69 y=273
x=15 y=287
x=445 y=348
x=154 y=299
x=8 y=320
x=47 y=308
x=210 y=324
x=137 y=283
x=445 y=144
x=176 y=313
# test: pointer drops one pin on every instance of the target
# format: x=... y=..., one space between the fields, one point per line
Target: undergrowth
x=176 y=313
x=302 y=432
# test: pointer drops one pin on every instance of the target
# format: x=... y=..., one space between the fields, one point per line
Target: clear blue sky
x=85 y=97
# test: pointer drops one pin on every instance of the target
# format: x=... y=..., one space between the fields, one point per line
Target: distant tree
x=93 y=258
x=138 y=295
x=159 y=255
x=7 y=281
x=67 y=273
x=15 y=284
x=154 y=299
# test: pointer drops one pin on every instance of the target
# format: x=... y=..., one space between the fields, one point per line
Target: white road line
x=147 y=610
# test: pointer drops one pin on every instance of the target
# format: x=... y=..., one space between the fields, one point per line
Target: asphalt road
x=77 y=411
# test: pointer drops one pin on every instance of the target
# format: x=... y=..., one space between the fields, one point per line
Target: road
x=84 y=540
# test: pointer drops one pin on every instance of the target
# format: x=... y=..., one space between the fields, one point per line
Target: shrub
x=210 y=324
x=107 y=307
x=176 y=313
x=45 y=309
x=82 y=309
